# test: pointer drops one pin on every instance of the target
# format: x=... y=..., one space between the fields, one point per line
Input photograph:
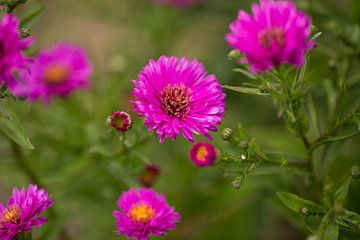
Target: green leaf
x=300 y=205
x=27 y=20
x=341 y=193
x=240 y=89
x=328 y=229
x=245 y=73
x=11 y=126
x=349 y=220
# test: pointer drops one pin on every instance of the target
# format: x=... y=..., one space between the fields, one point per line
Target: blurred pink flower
x=22 y=211
x=144 y=212
x=276 y=33
x=177 y=96
x=203 y=154
x=11 y=45
x=55 y=72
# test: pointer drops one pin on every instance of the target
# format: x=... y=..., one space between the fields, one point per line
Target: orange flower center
x=202 y=153
x=10 y=215
x=142 y=213
x=56 y=74
x=271 y=36
x=176 y=99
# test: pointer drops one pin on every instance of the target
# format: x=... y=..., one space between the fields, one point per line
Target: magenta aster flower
x=11 y=45
x=177 y=96
x=121 y=121
x=144 y=212
x=203 y=154
x=276 y=33
x=22 y=211
x=55 y=72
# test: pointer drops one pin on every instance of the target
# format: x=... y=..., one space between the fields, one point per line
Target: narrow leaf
x=253 y=91
x=11 y=126
x=245 y=72
x=300 y=205
x=27 y=20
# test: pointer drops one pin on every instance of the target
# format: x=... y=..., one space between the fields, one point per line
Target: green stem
x=318 y=143
x=21 y=161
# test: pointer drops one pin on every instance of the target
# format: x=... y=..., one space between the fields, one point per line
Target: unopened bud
x=149 y=175
x=237 y=183
x=121 y=121
x=226 y=134
x=304 y=211
x=25 y=32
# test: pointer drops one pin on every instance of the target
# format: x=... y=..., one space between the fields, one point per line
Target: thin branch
x=318 y=143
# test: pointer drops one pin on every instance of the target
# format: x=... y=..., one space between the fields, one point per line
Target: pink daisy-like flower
x=178 y=2
x=11 y=45
x=177 y=96
x=203 y=154
x=55 y=72
x=144 y=212
x=121 y=121
x=22 y=211
x=276 y=33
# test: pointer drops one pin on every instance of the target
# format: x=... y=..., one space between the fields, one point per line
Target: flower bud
x=227 y=133
x=203 y=154
x=237 y=183
x=149 y=175
x=121 y=121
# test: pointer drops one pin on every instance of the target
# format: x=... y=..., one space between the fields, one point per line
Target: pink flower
x=22 y=211
x=203 y=154
x=121 y=121
x=177 y=96
x=55 y=72
x=11 y=45
x=144 y=212
x=276 y=33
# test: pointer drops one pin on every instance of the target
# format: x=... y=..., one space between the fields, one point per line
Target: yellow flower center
x=142 y=213
x=202 y=153
x=10 y=215
x=56 y=74
x=274 y=35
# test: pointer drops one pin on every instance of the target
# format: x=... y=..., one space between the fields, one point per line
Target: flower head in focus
x=176 y=96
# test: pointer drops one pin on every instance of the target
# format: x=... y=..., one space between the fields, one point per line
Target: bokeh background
x=76 y=154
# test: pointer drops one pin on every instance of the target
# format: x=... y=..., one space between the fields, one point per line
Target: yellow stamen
x=202 y=153
x=56 y=74
x=141 y=213
x=10 y=215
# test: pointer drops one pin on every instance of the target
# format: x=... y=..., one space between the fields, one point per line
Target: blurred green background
x=76 y=154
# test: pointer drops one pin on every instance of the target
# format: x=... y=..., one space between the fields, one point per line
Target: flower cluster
x=22 y=211
x=54 y=72
x=144 y=212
